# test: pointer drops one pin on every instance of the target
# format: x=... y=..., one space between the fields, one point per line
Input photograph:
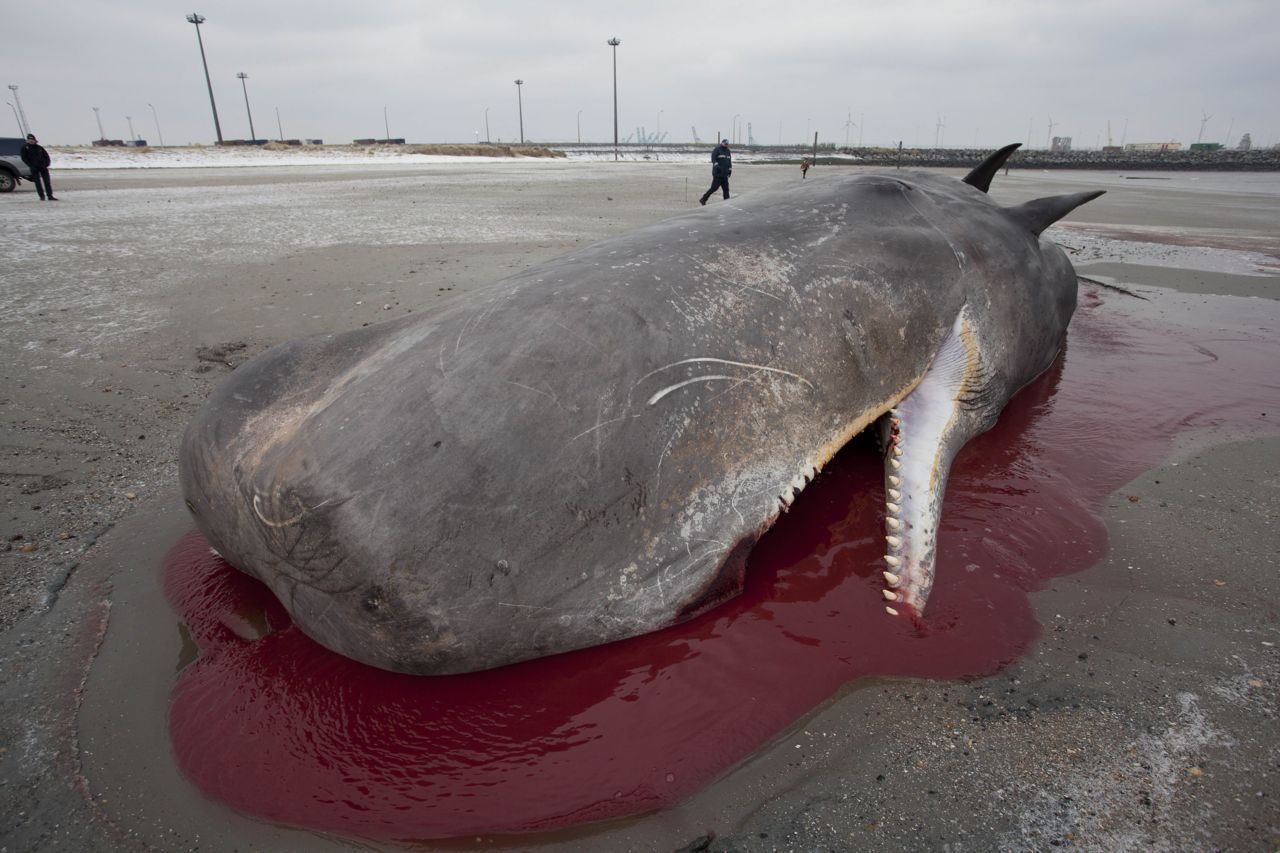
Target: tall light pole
x=386 y=125
x=579 y=127
x=279 y=126
x=23 y=124
x=245 y=87
x=15 y=118
x=101 y=133
x=657 y=128
x=157 y=120
x=613 y=43
x=520 y=104
x=193 y=18
x=486 y=126
x=133 y=137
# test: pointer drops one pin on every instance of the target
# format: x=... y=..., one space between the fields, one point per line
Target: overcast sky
x=994 y=72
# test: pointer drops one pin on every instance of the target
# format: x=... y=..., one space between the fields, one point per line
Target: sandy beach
x=1144 y=715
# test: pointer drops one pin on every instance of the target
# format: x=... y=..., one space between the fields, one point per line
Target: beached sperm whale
x=588 y=449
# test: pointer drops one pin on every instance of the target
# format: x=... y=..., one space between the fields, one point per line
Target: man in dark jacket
x=721 y=168
x=37 y=160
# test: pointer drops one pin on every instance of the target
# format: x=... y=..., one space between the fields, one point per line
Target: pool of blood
x=277 y=727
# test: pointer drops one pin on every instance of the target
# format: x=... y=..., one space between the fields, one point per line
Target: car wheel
x=7 y=181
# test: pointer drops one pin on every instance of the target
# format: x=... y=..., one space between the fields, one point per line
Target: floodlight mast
x=245 y=86
x=613 y=43
x=23 y=124
x=193 y=18
x=520 y=104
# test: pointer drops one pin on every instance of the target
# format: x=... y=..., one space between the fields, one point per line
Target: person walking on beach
x=37 y=160
x=804 y=168
x=721 y=168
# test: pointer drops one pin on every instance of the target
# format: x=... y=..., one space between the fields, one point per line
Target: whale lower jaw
x=923 y=433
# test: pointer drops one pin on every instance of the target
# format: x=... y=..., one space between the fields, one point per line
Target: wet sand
x=124 y=312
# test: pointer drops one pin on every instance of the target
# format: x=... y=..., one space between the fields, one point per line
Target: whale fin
x=1039 y=214
x=981 y=176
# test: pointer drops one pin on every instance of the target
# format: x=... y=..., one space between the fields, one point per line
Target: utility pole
x=520 y=104
x=193 y=18
x=613 y=43
x=245 y=86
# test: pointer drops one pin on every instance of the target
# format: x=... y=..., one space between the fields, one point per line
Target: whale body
x=588 y=449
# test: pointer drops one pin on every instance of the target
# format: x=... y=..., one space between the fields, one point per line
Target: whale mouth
x=920 y=437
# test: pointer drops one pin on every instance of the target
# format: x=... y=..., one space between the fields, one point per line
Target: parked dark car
x=11 y=166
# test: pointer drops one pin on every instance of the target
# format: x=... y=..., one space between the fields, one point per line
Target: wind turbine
x=1203 y=122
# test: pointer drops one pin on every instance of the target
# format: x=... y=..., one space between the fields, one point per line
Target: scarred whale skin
x=588 y=449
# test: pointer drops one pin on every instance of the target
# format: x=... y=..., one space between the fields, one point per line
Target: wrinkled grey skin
x=587 y=450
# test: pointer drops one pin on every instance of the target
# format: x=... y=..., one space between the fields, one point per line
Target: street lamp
x=245 y=87
x=133 y=137
x=613 y=43
x=520 y=103
x=486 y=126
x=579 y=127
x=23 y=124
x=101 y=133
x=386 y=125
x=279 y=126
x=193 y=18
x=15 y=118
x=157 y=120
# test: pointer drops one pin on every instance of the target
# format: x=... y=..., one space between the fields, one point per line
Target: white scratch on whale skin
x=705 y=359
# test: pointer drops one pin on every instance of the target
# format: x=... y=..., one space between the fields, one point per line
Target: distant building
x=1153 y=146
x=1060 y=144
x=1246 y=143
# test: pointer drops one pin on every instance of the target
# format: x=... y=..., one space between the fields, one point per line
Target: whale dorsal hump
x=1040 y=213
x=982 y=175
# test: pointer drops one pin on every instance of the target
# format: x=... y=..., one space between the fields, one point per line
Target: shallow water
x=278 y=728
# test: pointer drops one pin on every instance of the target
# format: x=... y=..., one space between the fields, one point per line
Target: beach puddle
x=273 y=725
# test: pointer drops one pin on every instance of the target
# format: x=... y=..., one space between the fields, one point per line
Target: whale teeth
x=891 y=611
x=889 y=595
x=890 y=578
x=895 y=463
x=894 y=541
x=895 y=481
x=892 y=560
x=893 y=508
x=897 y=449
x=895 y=495
x=892 y=523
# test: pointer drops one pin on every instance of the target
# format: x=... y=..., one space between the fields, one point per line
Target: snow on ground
x=205 y=157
